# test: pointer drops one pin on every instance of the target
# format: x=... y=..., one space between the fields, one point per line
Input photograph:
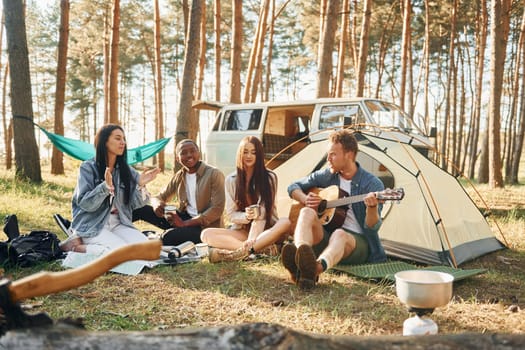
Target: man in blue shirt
x=319 y=245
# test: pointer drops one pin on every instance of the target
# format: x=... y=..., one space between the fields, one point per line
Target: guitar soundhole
x=322 y=206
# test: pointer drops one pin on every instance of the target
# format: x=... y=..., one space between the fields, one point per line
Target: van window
x=339 y=115
x=217 y=122
x=242 y=119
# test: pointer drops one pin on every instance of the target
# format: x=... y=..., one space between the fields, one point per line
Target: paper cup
x=202 y=249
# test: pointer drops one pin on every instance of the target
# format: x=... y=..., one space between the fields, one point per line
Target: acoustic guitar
x=335 y=201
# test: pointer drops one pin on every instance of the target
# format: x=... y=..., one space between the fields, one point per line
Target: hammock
x=83 y=150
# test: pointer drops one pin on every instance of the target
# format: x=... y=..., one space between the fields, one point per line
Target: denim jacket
x=91 y=200
x=363 y=182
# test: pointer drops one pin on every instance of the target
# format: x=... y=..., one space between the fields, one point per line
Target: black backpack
x=30 y=249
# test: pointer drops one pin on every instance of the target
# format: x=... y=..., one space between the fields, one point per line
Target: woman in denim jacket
x=107 y=191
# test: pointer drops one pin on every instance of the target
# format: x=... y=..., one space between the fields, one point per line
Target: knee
x=205 y=235
x=341 y=235
x=307 y=214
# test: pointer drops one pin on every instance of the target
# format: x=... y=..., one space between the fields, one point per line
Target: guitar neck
x=345 y=201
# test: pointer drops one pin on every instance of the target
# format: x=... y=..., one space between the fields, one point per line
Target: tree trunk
x=363 y=47
x=405 y=47
x=159 y=101
x=426 y=55
x=218 y=48
x=236 y=52
x=187 y=125
x=520 y=132
x=260 y=48
x=386 y=33
x=26 y=150
x=342 y=48
x=481 y=43
x=247 y=336
x=499 y=30
x=268 y=75
x=57 y=165
x=114 y=65
x=107 y=58
x=448 y=92
x=324 y=62
x=253 y=73
x=202 y=58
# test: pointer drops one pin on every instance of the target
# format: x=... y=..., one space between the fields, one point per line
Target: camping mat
x=387 y=270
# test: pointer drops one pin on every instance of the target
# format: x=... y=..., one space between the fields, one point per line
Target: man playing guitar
x=357 y=240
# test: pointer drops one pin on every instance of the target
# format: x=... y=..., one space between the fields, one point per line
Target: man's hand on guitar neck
x=371 y=200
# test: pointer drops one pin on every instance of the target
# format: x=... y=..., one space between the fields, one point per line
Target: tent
x=436 y=223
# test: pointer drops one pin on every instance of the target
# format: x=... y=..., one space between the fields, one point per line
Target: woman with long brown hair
x=250 y=209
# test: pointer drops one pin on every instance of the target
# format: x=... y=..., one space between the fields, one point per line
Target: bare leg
x=308 y=230
x=272 y=235
x=224 y=238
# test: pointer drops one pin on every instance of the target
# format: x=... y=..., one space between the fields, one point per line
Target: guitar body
x=332 y=218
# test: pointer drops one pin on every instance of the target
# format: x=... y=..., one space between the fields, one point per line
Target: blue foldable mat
x=387 y=270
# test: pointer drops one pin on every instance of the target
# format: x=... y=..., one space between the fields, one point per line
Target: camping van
x=285 y=128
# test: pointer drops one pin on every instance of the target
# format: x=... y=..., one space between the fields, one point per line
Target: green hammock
x=83 y=150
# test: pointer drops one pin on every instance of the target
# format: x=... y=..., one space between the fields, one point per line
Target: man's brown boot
x=288 y=261
x=307 y=264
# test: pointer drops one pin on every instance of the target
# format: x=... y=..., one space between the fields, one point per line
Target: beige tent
x=436 y=223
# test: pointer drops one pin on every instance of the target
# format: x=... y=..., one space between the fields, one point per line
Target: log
x=244 y=336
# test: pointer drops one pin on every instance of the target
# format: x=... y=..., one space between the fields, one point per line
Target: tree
x=324 y=61
x=187 y=125
x=499 y=30
x=26 y=151
x=253 y=73
x=481 y=44
x=343 y=43
x=57 y=166
x=114 y=65
x=363 y=48
x=218 y=48
x=159 y=111
x=236 y=52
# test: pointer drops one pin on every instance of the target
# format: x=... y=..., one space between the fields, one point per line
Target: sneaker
x=288 y=261
x=63 y=223
x=216 y=255
x=307 y=264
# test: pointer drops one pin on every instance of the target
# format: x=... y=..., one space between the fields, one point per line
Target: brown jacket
x=210 y=194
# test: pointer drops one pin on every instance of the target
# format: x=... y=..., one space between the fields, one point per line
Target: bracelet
x=371 y=206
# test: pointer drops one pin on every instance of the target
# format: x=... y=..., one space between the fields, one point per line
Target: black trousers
x=171 y=235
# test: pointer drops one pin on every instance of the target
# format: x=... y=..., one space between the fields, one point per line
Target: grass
x=203 y=294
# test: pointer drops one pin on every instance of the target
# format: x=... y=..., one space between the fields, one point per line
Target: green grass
x=203 y=294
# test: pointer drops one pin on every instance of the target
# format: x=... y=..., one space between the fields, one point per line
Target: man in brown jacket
x=197 y=190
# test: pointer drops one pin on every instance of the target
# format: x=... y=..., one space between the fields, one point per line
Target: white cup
x=202 y=249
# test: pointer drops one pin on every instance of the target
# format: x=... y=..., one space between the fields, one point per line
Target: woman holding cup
x=250 y=208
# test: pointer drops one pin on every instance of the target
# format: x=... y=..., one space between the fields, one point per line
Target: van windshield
x=389 y=115
x=242 y=119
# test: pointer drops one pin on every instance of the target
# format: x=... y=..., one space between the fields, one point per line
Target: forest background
x=460 y=64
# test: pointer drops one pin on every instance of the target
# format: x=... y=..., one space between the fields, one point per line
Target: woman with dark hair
x=107 y=191
x=250 y=208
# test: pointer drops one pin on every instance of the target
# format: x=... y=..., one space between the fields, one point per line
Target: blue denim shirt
x=91 y=200
x=363 y=182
